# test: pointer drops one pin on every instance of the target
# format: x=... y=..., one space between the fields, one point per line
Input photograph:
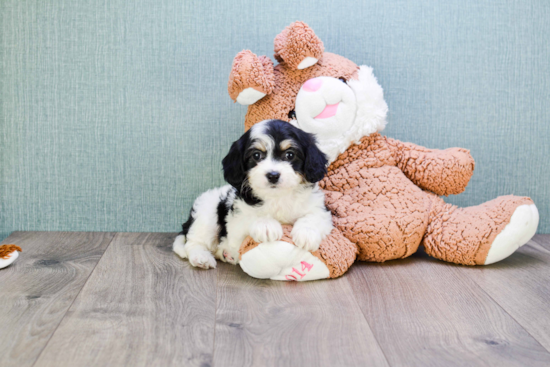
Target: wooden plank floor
x=124 y=299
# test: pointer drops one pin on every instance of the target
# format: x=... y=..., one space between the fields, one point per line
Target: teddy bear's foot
x=281 y=260
x=522 y=227
x=482 y=234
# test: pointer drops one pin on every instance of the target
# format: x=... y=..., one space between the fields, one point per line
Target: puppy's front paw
x=201 y=258
x=266 y=230
x=306 y=237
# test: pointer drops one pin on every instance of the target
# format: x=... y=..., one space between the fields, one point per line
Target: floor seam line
x=71 y=305
x=367 y=321
x=215 y=316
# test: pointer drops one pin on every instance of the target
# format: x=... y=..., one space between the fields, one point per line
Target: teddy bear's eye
x=292 y=115
x=342 y=80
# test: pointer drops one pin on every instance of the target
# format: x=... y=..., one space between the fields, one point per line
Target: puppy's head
x=272 y=158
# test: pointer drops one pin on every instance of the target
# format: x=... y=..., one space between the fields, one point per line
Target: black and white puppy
x=272 y=171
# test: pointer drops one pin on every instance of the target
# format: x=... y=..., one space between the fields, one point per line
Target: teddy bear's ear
x=251 y=78
x=298 y=46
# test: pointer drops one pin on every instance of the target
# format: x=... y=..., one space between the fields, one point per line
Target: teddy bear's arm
x=443 y=172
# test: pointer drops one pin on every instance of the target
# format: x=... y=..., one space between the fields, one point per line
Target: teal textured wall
x=115 y=114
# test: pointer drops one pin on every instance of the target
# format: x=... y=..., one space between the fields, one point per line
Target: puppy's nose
x=273 y=177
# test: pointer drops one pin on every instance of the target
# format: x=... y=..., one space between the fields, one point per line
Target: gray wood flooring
x=124 y=299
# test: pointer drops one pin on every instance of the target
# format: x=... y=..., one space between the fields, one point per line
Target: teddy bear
x=384 y=194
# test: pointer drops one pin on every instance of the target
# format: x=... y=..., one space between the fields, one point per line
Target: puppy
x=272 y=171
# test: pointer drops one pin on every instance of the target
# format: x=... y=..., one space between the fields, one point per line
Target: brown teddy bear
x=383 y=193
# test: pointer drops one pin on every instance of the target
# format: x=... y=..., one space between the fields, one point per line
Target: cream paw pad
x=517 y=233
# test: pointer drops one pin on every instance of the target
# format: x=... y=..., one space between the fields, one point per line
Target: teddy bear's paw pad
x=10 y=258
x=201 y=258
x=282 y=261
x=522 y=227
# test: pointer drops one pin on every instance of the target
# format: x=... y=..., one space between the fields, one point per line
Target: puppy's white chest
x=285 y=210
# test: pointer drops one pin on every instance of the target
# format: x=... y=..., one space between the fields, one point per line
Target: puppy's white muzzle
x=259 y=177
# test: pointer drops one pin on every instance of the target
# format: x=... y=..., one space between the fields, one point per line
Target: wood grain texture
x=520 y=284
x=38 y=288
x=424 y=314
x=142 y=306
x=79 y=299
x=269 y=323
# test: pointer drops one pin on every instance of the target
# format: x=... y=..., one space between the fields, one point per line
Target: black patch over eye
x=343 y=80
x=289 y=155
x=292 y=115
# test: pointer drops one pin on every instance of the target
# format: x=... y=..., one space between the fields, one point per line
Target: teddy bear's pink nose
x=312 y=85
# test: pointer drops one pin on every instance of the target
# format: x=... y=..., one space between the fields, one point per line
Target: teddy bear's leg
x=479 y=235
x=282 y=260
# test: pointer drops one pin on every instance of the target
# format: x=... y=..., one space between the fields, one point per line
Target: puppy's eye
x=289 y=155
x=292 y=115
x=343 y=80
x=257 y=155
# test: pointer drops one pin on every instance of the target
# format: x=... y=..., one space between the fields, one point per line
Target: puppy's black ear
x=315 y=164
x=233 y=163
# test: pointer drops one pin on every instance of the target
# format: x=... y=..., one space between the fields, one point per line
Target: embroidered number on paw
x=306 y=268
